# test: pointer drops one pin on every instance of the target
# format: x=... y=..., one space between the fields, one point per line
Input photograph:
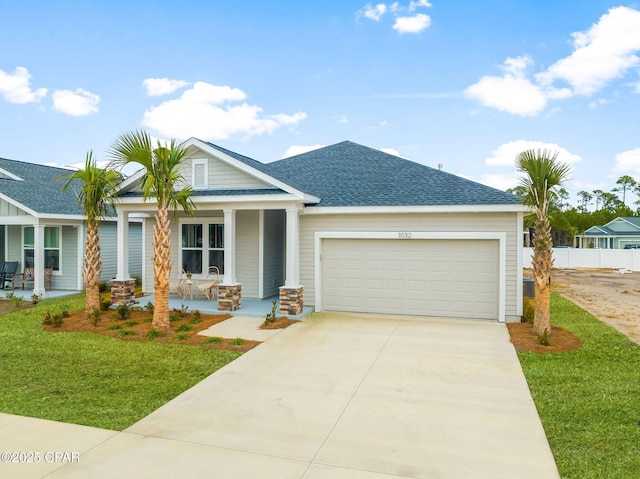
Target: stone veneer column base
x=229 y=297
x=123 y=291
x=291 y=300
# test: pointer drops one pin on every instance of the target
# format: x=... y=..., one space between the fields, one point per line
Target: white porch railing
x=590 y=258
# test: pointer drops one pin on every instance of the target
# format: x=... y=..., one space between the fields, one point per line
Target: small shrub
x=57 y=320
x=138 y=281
x=123 y=311
x=181 y=337
x=65 y=311
x=114 y=327
x=153 y=334
x=94 y=317
x=125 y=332
x=237 y=341
x=47 y=319
x=174 y=317
x=195 y=321
x=196 y=314
x=104 y=287
x=130 y=323
x=544 y=338
x=149 y=306
x=10 y=295
x=35 y=298
x=185 y=327
x=17 y=301
x=149 y=320
x=528 y=309
x=271 y=317
x=213 y=340
x=105 y=304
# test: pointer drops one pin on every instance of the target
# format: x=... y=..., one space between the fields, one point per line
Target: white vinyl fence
x=590 y=258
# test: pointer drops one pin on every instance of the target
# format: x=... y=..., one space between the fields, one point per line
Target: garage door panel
x=456 y=278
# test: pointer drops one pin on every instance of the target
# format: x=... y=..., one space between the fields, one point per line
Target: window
x=51 y=247
x=199 y=174
x=196 y=257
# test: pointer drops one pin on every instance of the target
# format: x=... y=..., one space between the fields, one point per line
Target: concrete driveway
x=345 y=396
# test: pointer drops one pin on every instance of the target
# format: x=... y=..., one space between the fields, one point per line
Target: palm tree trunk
x=92 y=269
x=542 y=264
x=161 y=268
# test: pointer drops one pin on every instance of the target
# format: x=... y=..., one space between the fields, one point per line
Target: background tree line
x=594 y=208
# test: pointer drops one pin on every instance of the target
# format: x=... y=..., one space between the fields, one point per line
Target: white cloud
x=75 y=103
x=294 y=150
x=391 y=151
x=604 y=52
x=595 y=104
x=505 y=154
x=374 y=13
x=15 y=87
x=628 y=162
x=341 y=119
x=162 y=86
x=512 y=92
x=501 y=182
x=414 y=4
x=415 y=24
x=201 y=111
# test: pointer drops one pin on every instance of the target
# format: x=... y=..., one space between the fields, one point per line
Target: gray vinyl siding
x=109 y=250
x=220 y=175
x=274 y=249
x=68 y=277
x=247 y=252
x=147 y=265
x=7 y=209
x=424 y=222
x=14 y=245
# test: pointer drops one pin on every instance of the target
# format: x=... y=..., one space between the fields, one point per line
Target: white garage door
x=452 y=278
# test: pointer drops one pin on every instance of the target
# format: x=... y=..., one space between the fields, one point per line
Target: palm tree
x=96 y=197
x=542 y=174
x=159 y=182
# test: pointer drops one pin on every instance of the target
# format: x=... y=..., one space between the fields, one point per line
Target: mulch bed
x=524 y=339
x=76 y=322
x=279 y=323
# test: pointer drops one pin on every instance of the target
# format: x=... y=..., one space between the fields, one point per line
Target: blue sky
x=465 y=84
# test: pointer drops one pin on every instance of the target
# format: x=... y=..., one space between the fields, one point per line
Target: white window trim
x=205 y=222
x=59 y=248
x=199 y=162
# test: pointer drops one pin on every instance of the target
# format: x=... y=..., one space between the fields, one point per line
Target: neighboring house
x=42 y=227
x=616 y=234
x=345 y=227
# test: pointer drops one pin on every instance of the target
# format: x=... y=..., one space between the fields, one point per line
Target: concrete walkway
x=343 y=396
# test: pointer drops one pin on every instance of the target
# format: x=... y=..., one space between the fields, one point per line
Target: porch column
x=123 y=288
x=38 y=259
x=230 y=291
x=123 y=245
x=291 y=294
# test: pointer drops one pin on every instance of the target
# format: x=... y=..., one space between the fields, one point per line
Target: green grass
x=589 y=399
x=90 y=379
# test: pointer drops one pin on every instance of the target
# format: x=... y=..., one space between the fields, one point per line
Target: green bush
x=105 y=304
x=213 y=340
x=47 y=319
x=174 y=317
x=94 y=317
x=16 y=300
x=237 y=341
x=185 y=327
x=153 y=334
x=123 y=311
x=181 y=337
x=57 y=320
x=125 y=332
x=149 y=306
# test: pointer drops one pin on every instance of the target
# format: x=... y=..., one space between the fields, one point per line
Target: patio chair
x=7 y=273
x=209 y=285
x=27 y=278
x=177 y=287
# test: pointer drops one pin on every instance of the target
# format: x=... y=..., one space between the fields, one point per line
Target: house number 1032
x=404 y=235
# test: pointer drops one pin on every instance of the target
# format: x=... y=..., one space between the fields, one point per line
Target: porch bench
x=26 y=278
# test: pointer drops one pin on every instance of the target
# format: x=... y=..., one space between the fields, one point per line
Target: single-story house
x=616 y=234
x=344 y=227
x=43 y=227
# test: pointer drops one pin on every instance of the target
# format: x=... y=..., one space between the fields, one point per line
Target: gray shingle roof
x=41 y=188
x=349 y=174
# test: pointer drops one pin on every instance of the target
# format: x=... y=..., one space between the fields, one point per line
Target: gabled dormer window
x=199 y=174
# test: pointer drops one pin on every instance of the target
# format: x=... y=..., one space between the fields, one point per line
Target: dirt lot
x=612 y=297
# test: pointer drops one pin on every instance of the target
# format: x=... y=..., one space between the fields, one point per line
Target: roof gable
x=349 y=174
x=37 y=189
x=624 y=225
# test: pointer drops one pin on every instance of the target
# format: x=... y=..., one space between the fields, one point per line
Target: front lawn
x=589 y=399
x=90 y=379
